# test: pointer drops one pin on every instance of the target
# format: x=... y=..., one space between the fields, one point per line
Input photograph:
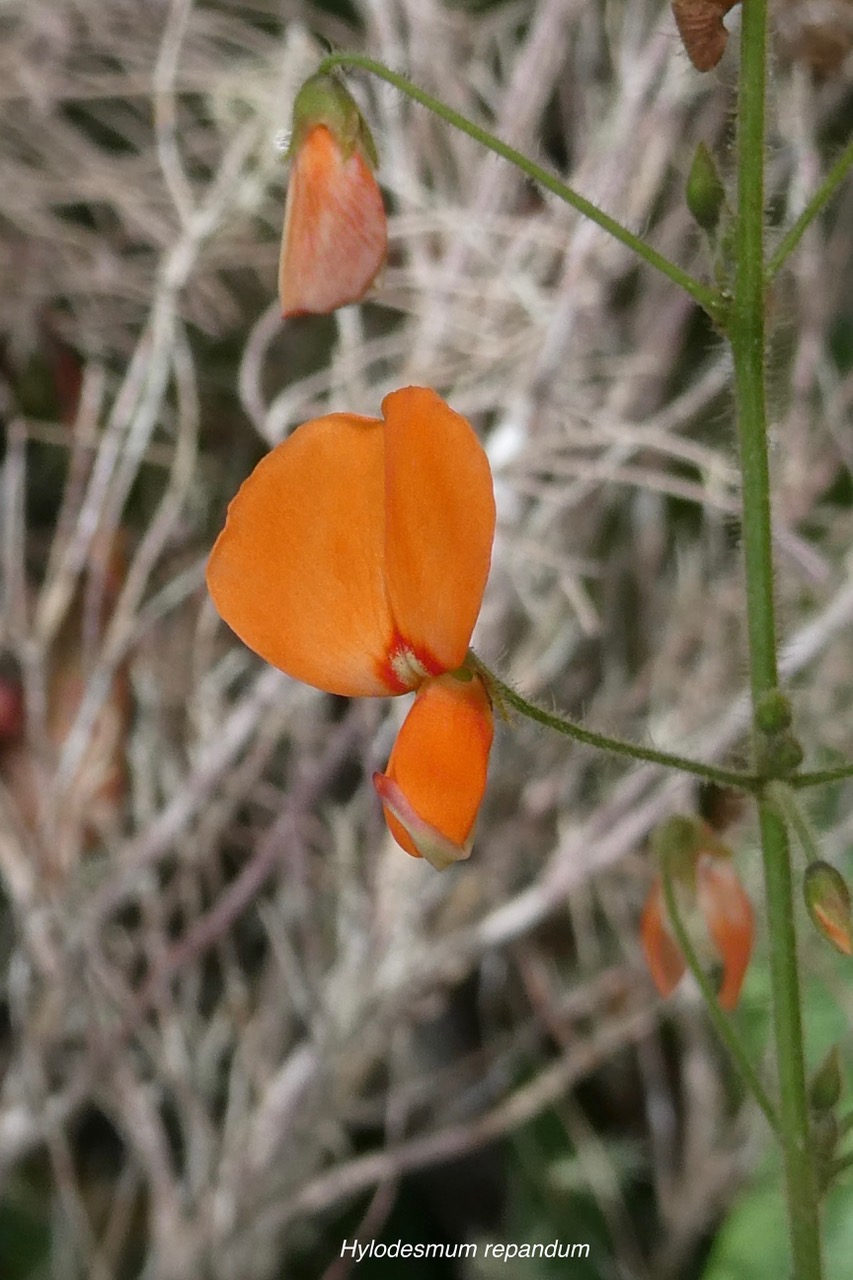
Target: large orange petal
x=665 y=961
x=335 y=231
x=297 y=571
x=436 y=775
x=440 y=525
x=728 y=913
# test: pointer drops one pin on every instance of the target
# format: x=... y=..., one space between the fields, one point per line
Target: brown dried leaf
x=702 y=30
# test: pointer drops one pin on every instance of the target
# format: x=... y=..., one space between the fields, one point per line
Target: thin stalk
x=707 y=298
x=786 y=802
x=819 y=200
x=724 y=1027
x=506 y=696
x=842 y=1164
x=746 y=332
x=821 y=776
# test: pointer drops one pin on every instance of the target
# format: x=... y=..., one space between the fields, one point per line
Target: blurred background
x=238 y=1026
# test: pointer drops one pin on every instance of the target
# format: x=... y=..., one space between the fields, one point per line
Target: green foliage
x=24 y=1241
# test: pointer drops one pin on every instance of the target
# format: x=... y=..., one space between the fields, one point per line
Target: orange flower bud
x=335 y=232
x=714 y=904
x=828 y=901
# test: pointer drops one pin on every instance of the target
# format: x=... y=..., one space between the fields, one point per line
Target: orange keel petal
x=335 y=231
x=298 y=570
x=440 y=524
x=436 y=776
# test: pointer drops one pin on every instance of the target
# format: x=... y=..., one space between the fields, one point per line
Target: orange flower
x=355 y=558
x=718 y=915
x=335 y=233
x=438 y=767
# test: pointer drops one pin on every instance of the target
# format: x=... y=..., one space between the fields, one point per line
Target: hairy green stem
x=707 y=298
x=724 y=1027
x=746 y=333
x=821 y=776
x=819 y=200
x=781 y=795
x=505 y=695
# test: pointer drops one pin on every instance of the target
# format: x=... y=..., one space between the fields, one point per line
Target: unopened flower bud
x=715 y=911
x=335 y=233
x=781 y=755
x=828 y=902
x=773 y=713
x=705 y=193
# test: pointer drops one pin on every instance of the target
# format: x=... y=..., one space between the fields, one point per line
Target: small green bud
x=828 y=904
x=705 y=193
x=781 y=755
x=825 y=1084
x=773 y=713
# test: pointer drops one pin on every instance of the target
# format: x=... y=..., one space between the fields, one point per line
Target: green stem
x=746 y=332
x=702 y=294
x=819 y=200
x=785 y=802
x=821 y=776
x=724 y=1027
x=505 y=695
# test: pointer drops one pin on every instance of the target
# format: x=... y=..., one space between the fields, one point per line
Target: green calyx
x=678 y=842
x=324 y=99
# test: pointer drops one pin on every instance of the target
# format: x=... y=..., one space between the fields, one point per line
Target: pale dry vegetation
x=229 y=1003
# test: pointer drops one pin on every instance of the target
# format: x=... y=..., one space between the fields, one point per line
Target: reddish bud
x=713 y=904
x=335 y=231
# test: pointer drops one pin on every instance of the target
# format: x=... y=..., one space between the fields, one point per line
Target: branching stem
x=707 y=298
x=747 y=336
